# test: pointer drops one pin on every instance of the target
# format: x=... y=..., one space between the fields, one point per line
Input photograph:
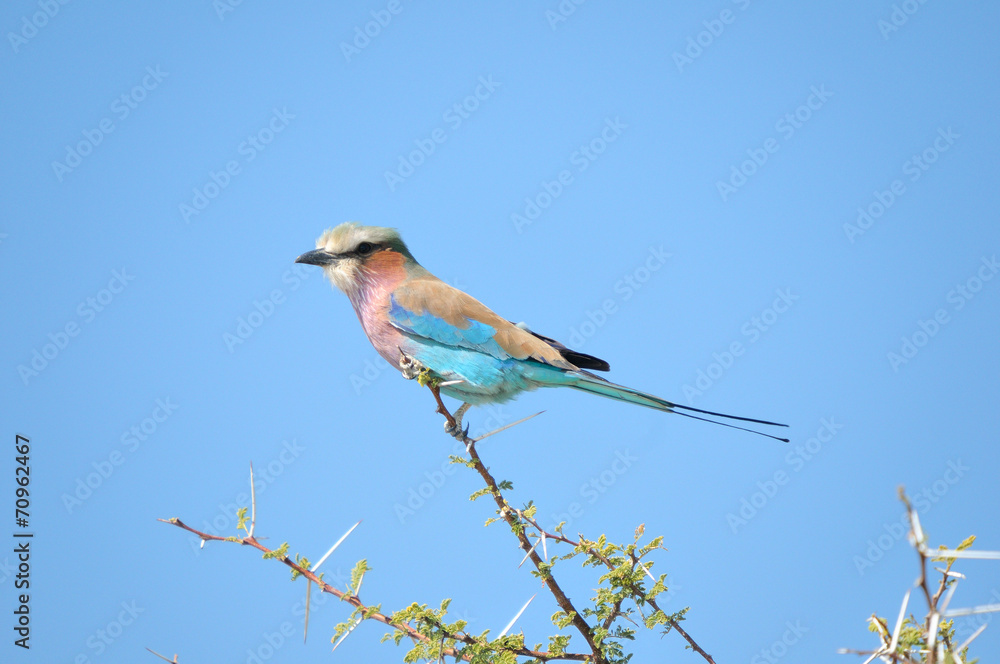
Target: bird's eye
x=365 y=248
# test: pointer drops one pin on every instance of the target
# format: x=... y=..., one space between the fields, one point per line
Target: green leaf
x=301 y=562
x=479 y=493
x=359 y=571
x=278 y=553
x=241 y=519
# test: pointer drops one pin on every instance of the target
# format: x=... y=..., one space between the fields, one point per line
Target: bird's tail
x=584 y=380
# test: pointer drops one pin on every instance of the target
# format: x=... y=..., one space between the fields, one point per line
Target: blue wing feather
x=477 y=336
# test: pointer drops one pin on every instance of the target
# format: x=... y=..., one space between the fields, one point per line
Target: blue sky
x=773 y=209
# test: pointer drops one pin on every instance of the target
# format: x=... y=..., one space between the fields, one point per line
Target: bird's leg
x=455 y=428
x=411 y=368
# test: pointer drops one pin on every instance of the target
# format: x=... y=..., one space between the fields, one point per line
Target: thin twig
x=441 y=408
x=172 y=661
x=253 y=503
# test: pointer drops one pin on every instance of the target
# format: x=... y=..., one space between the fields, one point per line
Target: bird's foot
x=455 y=429
x=411 y=368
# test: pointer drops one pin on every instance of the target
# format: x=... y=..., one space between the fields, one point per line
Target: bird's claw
x=412 y=368
x=455 y=430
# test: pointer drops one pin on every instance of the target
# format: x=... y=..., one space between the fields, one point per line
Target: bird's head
x=353 y=255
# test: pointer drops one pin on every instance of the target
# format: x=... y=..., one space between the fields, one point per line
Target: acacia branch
x=516 y=518
x=934 y=642
x=510 y=516
x=367 y=611
x=592 y=551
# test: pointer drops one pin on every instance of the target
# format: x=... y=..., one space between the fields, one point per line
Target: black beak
x=317 y=257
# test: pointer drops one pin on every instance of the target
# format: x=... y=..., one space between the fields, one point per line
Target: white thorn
x=947 y=597
x=357 y=591
x=646 y=571
x=965 y=553
x=957 y=575
x=507 y=426
x=305 y=625
x=253 y=503
x=514 y=619
x=969 y=640
x=346 y=634
x=899 y=622
x=526 y=555
x=334 y=547
x=932 y=629
x=918 y=532
x=877 y=653
x=984 y=608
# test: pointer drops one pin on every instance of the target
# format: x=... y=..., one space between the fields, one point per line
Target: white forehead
x=347 y=236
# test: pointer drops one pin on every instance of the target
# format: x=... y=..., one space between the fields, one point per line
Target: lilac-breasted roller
x=420 y=324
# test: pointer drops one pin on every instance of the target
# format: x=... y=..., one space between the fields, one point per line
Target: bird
x=428 y=329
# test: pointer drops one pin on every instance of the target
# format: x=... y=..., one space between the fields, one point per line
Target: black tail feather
x=589 y=382
x=733 y=426
x=728 y=417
